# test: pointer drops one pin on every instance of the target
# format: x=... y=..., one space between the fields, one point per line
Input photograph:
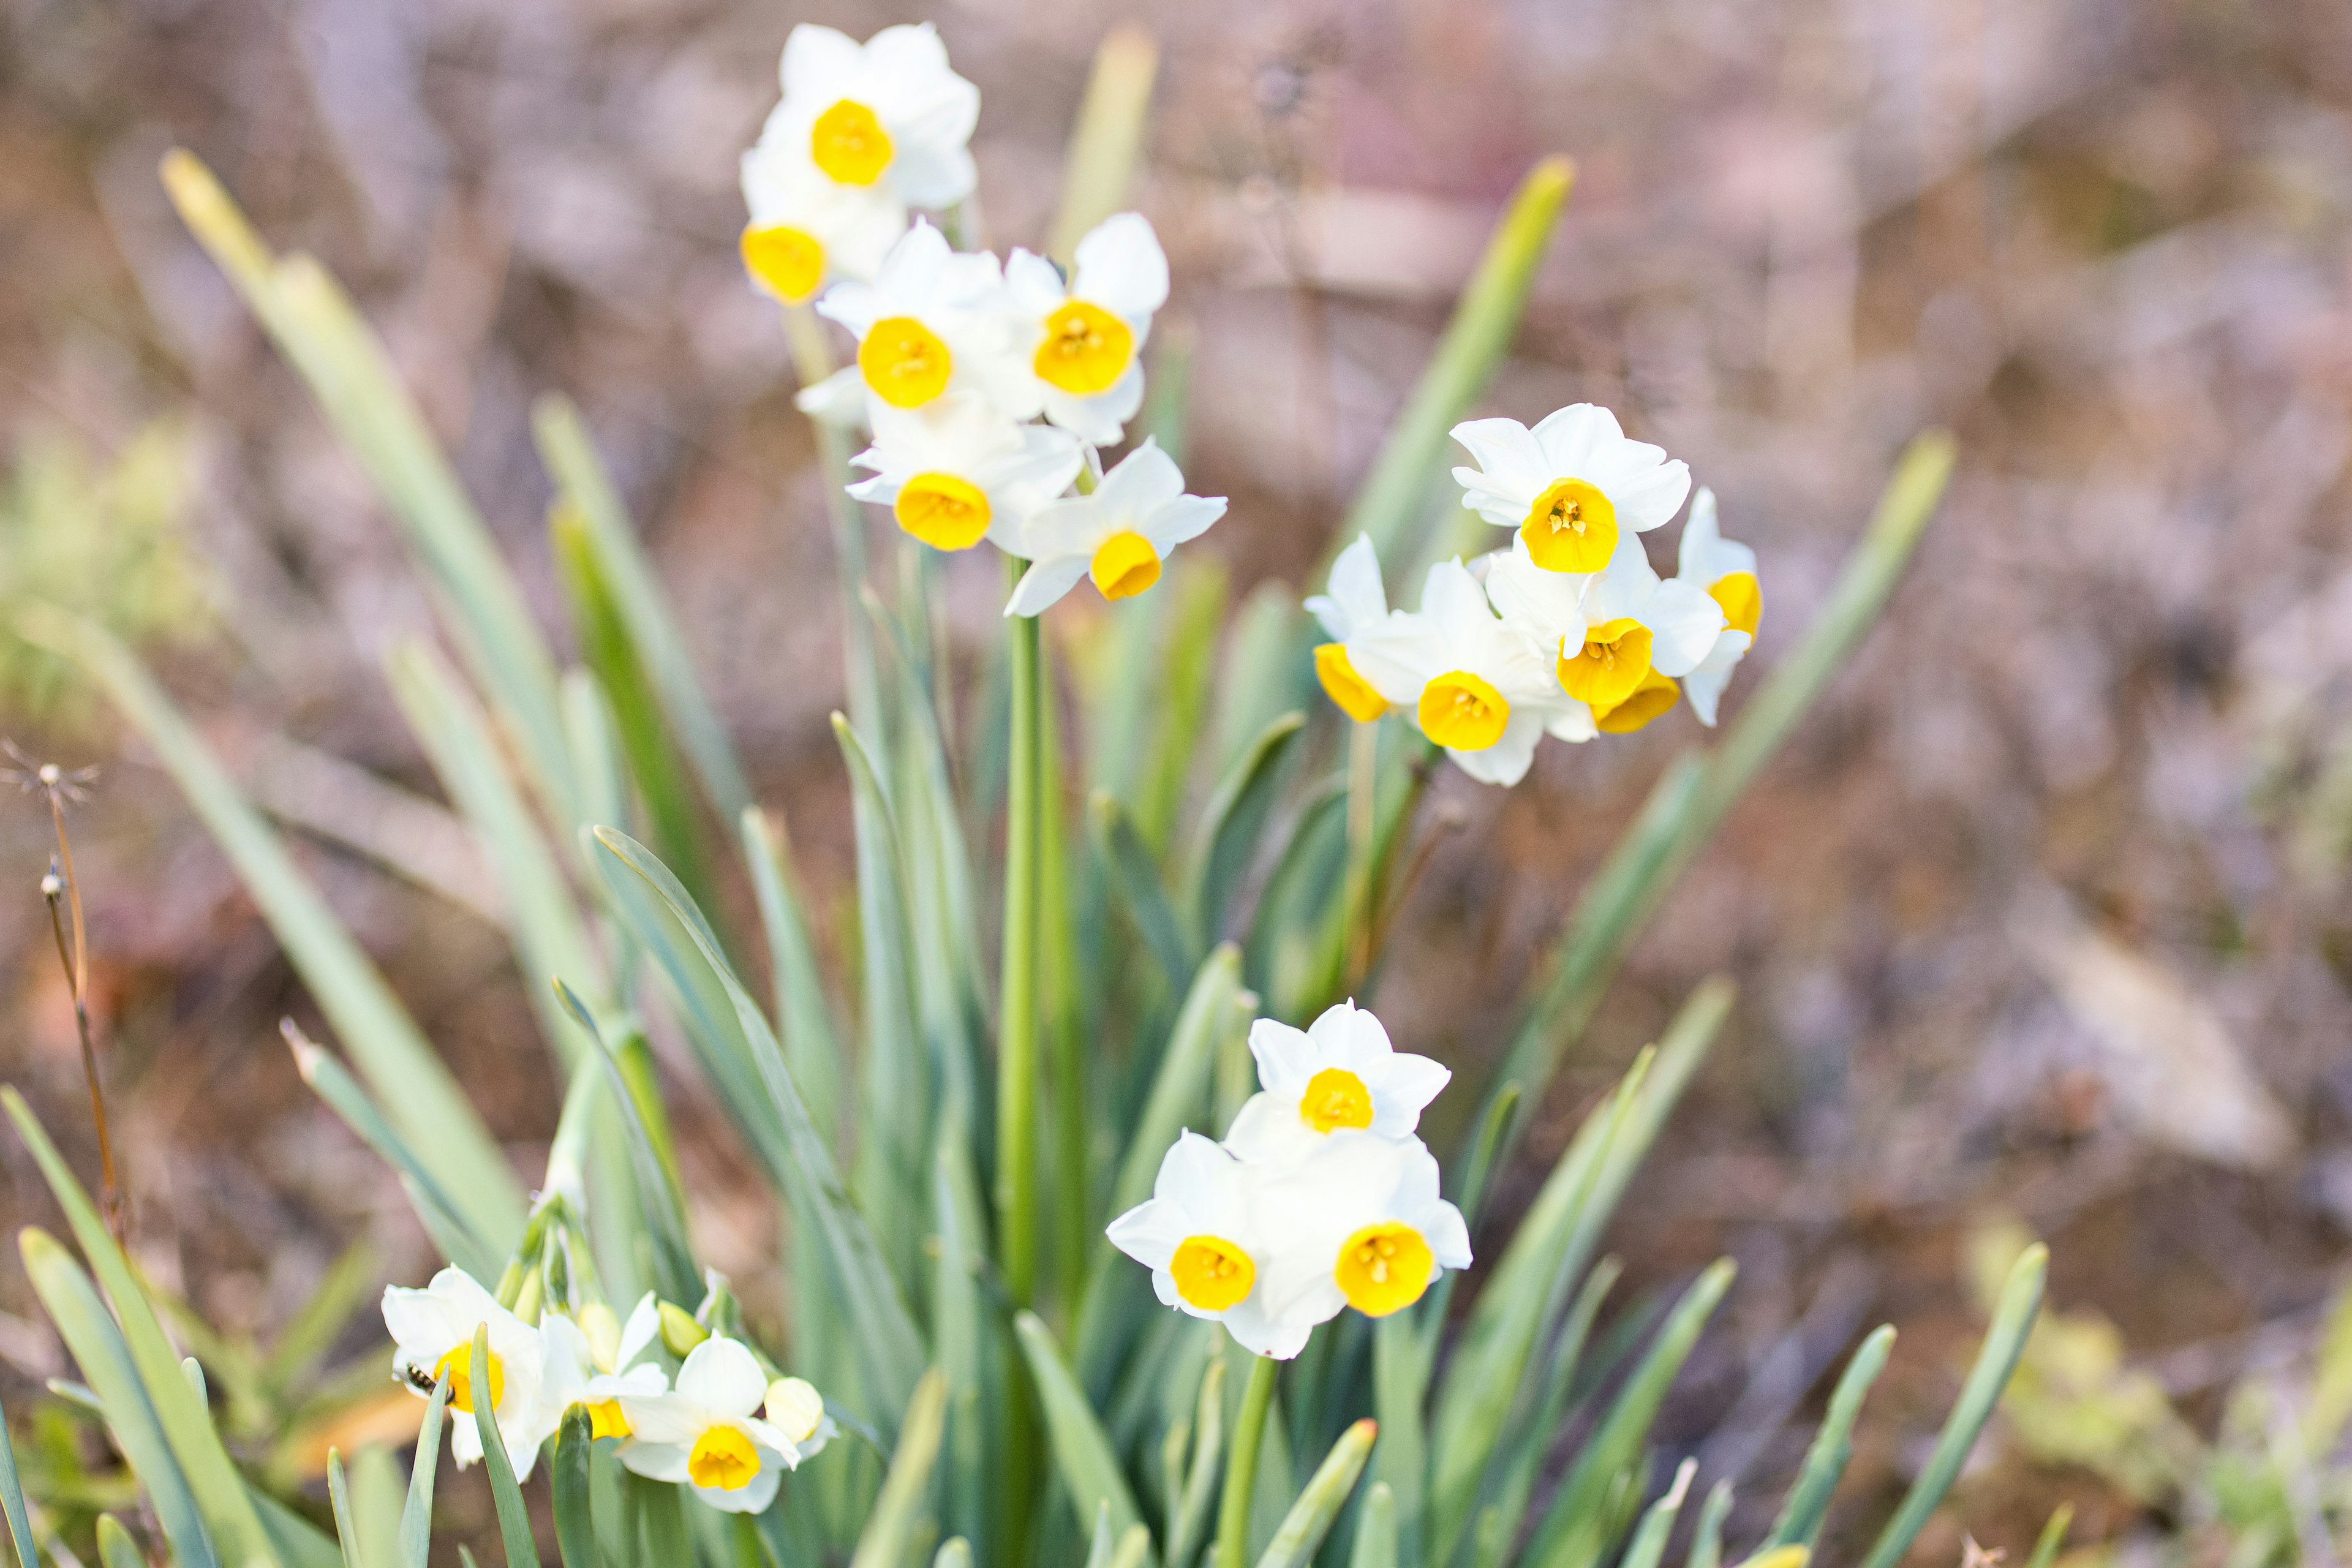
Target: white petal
x=655 y=1461
x=1570 y=437
x=1506 y=761
x=1144 y=479
x=1508 y=457
x=1120 y=267
x=1454 y=600
x=1398 y=655
x=1651 y=500
x=754 y=1494
x=1448 y=1237
x=722 y=1375
x=1703 y=686
x=1044 y=585
x=1684 y=622
x=1286 y=1057
x=816 y=62
x=1408 y=1083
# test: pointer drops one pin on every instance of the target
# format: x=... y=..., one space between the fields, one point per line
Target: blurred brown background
x=2043 y=915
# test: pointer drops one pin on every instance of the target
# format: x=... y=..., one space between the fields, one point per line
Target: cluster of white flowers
x=721 y=1425
x=1320 y=1197
x=959 y=357
x=1569 y=632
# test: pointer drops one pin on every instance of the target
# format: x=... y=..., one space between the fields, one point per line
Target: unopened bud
x=50 y=774
x=52 y=885
x=795 y=1407
x=679 y=1332
x=604 y=1331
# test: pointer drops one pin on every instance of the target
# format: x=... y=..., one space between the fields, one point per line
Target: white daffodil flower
x=1549 y=607
x=1570 y=486
x=1362 y=1225
x=797 y=1410
x=703 y=1434
x=957 y=471
x=1725 y=573
x=596 y=1364
x=1354 y=603
x=433 y=1336
x=932 y=322
x=1473 y=684
x=1199 y=1235
x=807 y=230
x=888 y=114
x=1640 y=634
x=1119 y=535
x=1340 y=1072
x=1086 y=337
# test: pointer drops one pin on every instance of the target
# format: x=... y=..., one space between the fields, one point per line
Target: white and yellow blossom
x=1353 y=602
x=1362 y=1224
x=1120 y=535
x=1476 y=686
x=1726 y=571
x=957 y=471
x=807 y=230
x=704 y=1433
x=932 y=321
x=887 y=115
x=1199 y=1235
x=1340 y=1072
x=433 y=1337
x=1084 y=338
x=595 y=1362
x=1570 y=486
x=1640 y=635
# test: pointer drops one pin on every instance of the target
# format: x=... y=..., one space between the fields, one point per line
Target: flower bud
x=795 y=1407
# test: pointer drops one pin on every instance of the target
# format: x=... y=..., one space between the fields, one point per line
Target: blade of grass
x=339 y=1493
x=117 y=1549
x=1137 y=876
x=400 y=1064
x=2053 y=1536
x=1375 y=1533
x=1233 y=822
x=1300 y=1534
x=1649 y=1544
x=891 y=1526
x=416 y=1514
x=658 y=1200
x=20 y=1524
x=1800 y=1523
x=1089 y=1466
x=514 y=1518
x=575 y=1521
x=804 y=1015
x=2004 y=1341
x=1189 y=1515
x=1707 y=1538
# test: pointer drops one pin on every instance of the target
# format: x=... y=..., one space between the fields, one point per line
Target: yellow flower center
x=1384 y=1268
x=1572 y=526
x=1086 y=349
x=457 y=1366
x=1460 y=711
x=1125 y=566
x=1336 y=1097
x=606 y=1419
x=1212 y=1273
x=1742 y=600
x=1651 y=698
x=787 y=262
x=1343 y=686
x=849 y=144
x=723 y=1458
x=942 y=510
x=1611 y=665
x=904 y=362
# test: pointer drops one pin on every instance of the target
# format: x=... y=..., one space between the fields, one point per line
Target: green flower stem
x=812 y=362
x=1017 y=1017
x=1363 y=781
x=1241 y=1470
x=1058 y=986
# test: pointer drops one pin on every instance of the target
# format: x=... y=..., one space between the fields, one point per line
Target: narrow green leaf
x=955 y=1551
x=1375 y=1531
x=1134 y=1549
x=1188 y=1520
x=1533 y=1425
x=2053 y=1536
x=400 y=1064
x=1233 y=822
x=1088 y=1464
x=20 y=1524
x=375 y=1507
x=960 y=1326
x=117 y=1549
x=805 y=1014
x=658 y=1201
x=1800 y=1523
x=1402 y=1356
x=89 y=1332
x=1706 y=1539
x=1137 y=876
x=663 y=1508
x=891 y=1527
x=1300 y=1534
x=1106 y=138
x=219 y=1491
x=2004 y=1341
x=294 y=1541
x=575 y=1519
x=347 y=1529
x=514 y=1518
x=416 y=1514
x=628 y=575
x=1649 y=1544
x=1186 y=660
x=1100 y=1542
x=320 y=1320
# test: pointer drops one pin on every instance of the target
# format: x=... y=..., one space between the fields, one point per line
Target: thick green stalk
x=1241 y=1471
x=1057 y=991
x=1017 y=1015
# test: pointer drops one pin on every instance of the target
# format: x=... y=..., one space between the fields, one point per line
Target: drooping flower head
x=888 y=113
x=932 y=322
x=704 y=1433
x=1084 y=338
x=1120 y=535
x=595 y=1362
x=1354 y=603
x=1338 y=1073
x=433 y=1337
x=1472 y=683
x=1726 y=572
x=957 y=471
x=1570 y=486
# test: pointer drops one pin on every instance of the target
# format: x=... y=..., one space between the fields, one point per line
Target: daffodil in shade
x=1474 y=684
x=1640 y=634
x=1572 y=485
x=1726 y=572
x=1338 y=1073
x=433 y=1336
x=932 y=321
x=887 y=115
x=1086 y=337
x=705 y=1432
x=1120 y=535
x=957 y=471
x=1362 y=1224
x=807 y=230
x=1199 y=1235
x=1354 y=603
x=593 y=1362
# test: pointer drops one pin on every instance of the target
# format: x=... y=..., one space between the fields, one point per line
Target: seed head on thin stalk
x=61 y=890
